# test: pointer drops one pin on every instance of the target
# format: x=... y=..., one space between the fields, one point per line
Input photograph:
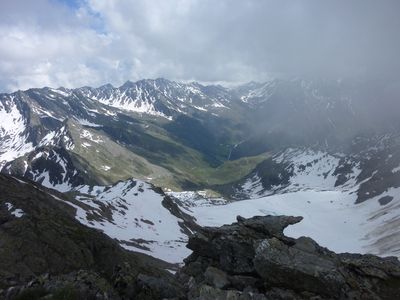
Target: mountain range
x=150 y=161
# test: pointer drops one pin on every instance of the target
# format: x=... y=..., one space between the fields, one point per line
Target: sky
x=73 y=43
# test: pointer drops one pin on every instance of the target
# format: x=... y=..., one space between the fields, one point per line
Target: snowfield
x=132 y=212
x=141 y=223
x=13 y=135
x=330 y=217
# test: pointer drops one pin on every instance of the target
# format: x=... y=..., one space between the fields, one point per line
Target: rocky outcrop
x=253 y=259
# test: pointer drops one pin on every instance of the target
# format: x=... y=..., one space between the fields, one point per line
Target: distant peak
x=128 y=84
x=107 y=86
x=158 y=82
x=163 y=80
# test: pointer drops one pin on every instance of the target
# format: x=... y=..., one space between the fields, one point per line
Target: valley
x=148 y=162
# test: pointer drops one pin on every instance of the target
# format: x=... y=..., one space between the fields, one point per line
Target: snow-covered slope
x=295 y=169
x=49 y=162
x=137 y=215
x=13 y=131
x=35 y=118
x=370 y=171
x=160 y=97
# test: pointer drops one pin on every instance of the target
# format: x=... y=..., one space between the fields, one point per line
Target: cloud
x=47 y=42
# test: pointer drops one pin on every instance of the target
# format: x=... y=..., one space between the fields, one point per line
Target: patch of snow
x=61 y=184
x=142 y=103
x=48 y=139
x=199 y=108
x=86 y=145
x=260 y=94
x=18 y=180
x=66 y=93
x=219 y=105
x=89 y=136
x=38 y=155
x=44 y=113
x=188 y=199
x=85 y=122
x=53 y=138
x=44 y=179
x=16 y=212
x=13 y=132
x=253 y=187
x=397 y=169
x=314 y=169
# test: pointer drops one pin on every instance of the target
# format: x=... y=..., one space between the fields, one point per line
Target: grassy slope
x=183 y=168
x=189 y=152
x=121 y=162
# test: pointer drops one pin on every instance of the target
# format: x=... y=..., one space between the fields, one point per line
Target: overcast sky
x=73 y=43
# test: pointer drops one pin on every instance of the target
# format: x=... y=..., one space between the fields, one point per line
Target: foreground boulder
x=253 y=259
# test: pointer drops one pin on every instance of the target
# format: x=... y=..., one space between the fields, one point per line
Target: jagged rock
x=206 y=292
x=253 y=259
x=216 y=277
x=76 y=285
x=144 y=286
x=277 y=263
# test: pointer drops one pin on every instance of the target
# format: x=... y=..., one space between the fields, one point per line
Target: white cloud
x=40 y=45
x=45 y=42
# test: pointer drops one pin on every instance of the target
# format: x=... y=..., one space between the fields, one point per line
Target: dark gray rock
x=216 y=277
x=385 y=200
x=278 y=263
x=252 y=259
x=206 y=292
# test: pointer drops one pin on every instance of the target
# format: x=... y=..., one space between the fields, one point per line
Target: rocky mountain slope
x=160 y=97
x=93 y=129
x=370 y=165
x=48 y=254
x=179 y=135
x=43 y=242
